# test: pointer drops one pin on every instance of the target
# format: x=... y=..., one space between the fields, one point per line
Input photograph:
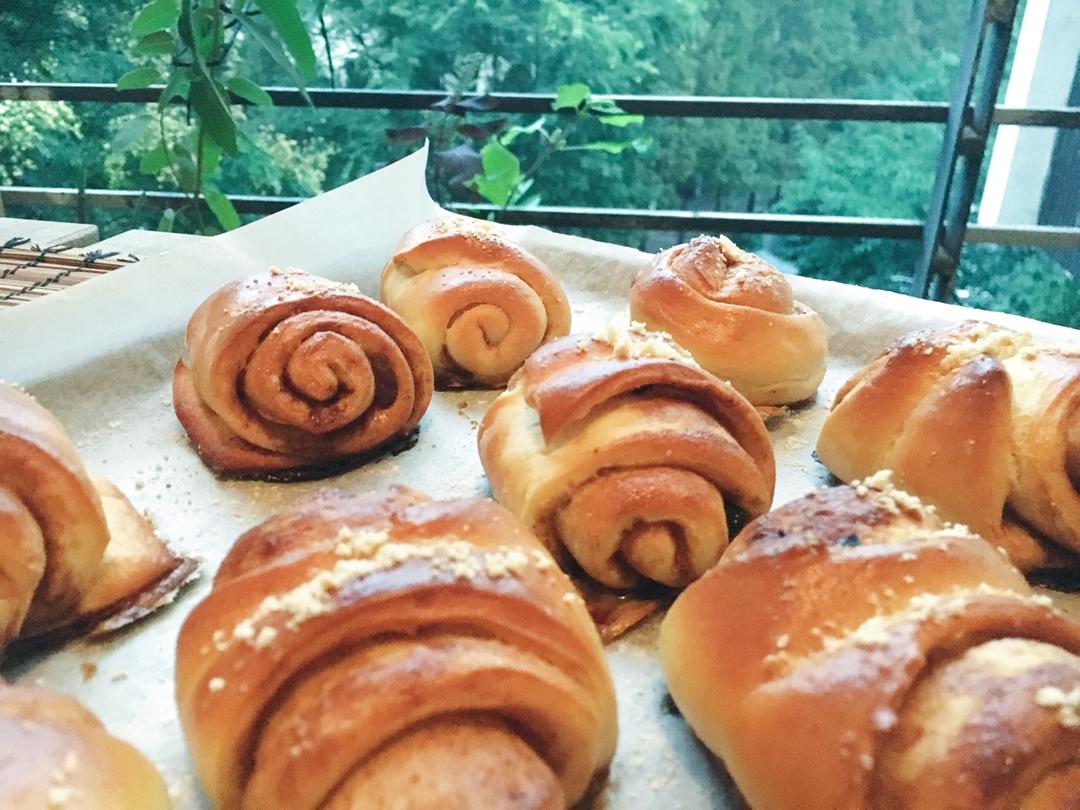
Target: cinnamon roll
x=625 y=456
x=737 y=316
x=480 y=303
x=293 y=374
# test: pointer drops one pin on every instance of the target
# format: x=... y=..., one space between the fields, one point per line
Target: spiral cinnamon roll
x=981 y=421
x=393 y=651
x=291 y=373
x=479 y=303
x=75 y=551
x=623 y=454
x=736 y=315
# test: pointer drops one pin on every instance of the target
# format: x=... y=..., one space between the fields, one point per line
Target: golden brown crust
x=344 y=626
x=958 y=730
x=55 y=754
x=75 y=550
x=736 y=314
x=44 y=480
x=290 y=373
x=832 y=623
x=480 y=303
x=975 y=419
x=625 y=456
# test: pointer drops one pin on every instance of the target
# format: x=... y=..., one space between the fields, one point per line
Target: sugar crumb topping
x=300 y=281
x=877 y=631
x=59 y=795
x=542 y=560
x=216 y=684
x=370 y=552
x=474 y=228
x=983 y=338
x=888 y=495
x=1067 y=703
x=633 y=339
x=359 y=542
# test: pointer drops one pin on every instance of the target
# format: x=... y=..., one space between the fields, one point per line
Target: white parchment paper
x=100 y=356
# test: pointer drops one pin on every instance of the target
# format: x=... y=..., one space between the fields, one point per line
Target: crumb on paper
x=89 y=669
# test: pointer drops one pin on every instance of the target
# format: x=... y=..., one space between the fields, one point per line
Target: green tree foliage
x=845 y=48
x=881 y=172
x=32 y=134
x=188 y=46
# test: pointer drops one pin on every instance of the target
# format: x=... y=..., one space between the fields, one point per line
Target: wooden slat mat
x=28 y=272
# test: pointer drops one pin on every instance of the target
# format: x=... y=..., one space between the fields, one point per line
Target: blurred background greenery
x=885 y=49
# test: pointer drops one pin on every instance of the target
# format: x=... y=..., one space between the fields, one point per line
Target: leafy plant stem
x=551 y=146
x=169 y=161
x=326 y=45
x=197 y=193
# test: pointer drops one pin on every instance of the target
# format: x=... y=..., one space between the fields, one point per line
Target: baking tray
x=100 y=357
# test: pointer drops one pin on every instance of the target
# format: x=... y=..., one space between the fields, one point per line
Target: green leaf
x=183 y=164
x=523 y=189
x=286 y=21
x=185 y=24
x=603 y=106
x=139 y=77
x=532 y=201
x=157 y=42
x=615 y=147
x=167 y=221
x=129 y=133
x=497 y=160
x=247 y=89
x=211 y=158
x=265 y=37
x=570 y=96
x=510 y=134
x=501 y=174
x=213 y=112
x=160 y=15
x=153 y=161
x=191 y=36
x=179 y=85
x=611 y=147
x=622 y=120
x=221 y=207
x=205 y=28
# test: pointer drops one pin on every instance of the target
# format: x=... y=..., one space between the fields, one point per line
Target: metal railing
x=804 y=109
x=967 y=119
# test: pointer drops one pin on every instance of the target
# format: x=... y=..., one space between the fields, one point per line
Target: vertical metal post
x=970 y=111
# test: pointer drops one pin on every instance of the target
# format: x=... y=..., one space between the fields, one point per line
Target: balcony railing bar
x=824 y=109
x=554 y=216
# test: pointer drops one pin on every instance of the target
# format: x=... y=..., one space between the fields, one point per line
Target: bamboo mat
x=28 y=272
